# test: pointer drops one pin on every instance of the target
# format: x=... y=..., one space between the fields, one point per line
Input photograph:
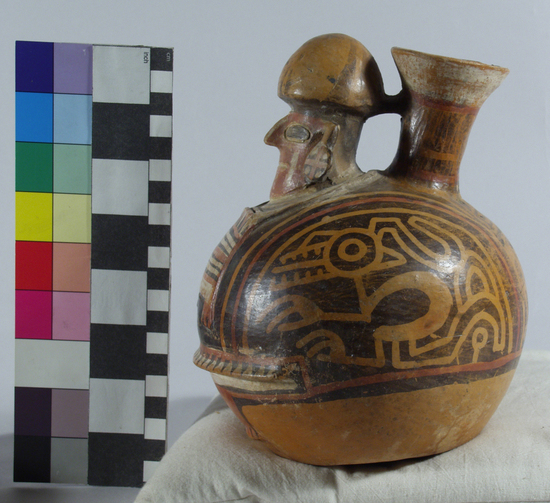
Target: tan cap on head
x=333 y=70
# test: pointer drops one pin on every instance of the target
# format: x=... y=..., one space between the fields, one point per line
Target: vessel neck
x=441 y=98
x=433 y=138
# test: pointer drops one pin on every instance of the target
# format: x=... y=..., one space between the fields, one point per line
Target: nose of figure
x=276 y=133
x=289 y=174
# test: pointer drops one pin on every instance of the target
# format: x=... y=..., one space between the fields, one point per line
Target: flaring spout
x=443 y=96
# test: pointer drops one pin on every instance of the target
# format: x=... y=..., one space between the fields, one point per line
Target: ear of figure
x=318 y=162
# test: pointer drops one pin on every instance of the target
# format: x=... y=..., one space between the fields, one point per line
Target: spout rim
x=457 y=81
x=397 y=51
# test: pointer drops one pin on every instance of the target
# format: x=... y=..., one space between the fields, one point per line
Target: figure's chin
x=284 y=182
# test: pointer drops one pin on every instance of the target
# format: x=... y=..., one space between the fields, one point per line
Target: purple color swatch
x=71 y=316
x=33 y=314
x=70 y=413
x=33 y=67
x=33 y=411
x=72 y=68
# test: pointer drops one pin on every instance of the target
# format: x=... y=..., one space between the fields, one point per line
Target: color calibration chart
x=93 y=216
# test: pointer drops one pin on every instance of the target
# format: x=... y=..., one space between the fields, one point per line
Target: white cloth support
x=215 y=461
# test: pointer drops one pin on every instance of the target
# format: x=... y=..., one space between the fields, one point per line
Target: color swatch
x=93 y=203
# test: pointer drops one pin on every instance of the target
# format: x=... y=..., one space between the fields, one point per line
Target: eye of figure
x=297 y=133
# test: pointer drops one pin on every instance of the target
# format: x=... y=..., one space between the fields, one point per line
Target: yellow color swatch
x=72 y=218
x=33 y=216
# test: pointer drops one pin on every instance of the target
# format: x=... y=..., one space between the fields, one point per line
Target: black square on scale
x=162 y=59
x=120 y=131
x=157 y=321
x=120 y=242
x=157 y=365
x=158 y=279
x=154 y=449
x=161 y=104
x=160 y=192
x=160 y=148
x=156 y=407
x=118 y=351
x=159 y=235
x=115 y=459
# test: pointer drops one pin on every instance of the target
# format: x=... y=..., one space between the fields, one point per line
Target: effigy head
x=333 y=71
x=305 y=144
x=333 y=85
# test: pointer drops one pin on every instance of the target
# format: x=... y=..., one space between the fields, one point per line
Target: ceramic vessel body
x=371 y=320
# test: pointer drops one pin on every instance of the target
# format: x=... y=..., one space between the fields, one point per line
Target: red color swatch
x=33 y=265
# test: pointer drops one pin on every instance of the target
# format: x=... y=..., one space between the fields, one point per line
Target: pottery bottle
x=365 y=317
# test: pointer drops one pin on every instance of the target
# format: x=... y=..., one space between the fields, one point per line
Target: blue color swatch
x=34 y=117
x=73 y=119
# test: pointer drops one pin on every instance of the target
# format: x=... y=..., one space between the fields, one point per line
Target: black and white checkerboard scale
x=130 y=277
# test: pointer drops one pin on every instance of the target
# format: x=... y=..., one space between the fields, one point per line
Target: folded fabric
x=215 y=461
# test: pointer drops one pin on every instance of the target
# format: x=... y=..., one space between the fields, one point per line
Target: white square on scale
x=149 y=468
x=161 y=126
x=117 y=406
x=158 y=300
x=121 y=74
x=160 y=170
x=158 y=257
x=159 y=214
x=119 y=297
x=157 y=343
x=120 y=187
x=161 y=81
x=156 y=386
x=155 y=429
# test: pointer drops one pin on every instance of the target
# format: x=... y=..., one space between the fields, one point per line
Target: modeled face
x=304 y=156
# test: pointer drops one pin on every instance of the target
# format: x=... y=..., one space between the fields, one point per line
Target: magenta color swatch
x=33 y=314
x=71 y=316
x=72 y=68
x=70 y=413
